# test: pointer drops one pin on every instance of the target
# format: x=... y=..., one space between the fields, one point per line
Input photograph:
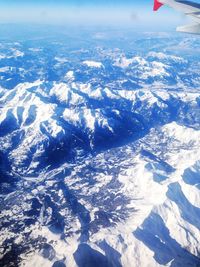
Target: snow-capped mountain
x=99 y=151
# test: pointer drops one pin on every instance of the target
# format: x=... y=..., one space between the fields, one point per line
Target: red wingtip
x=157 y=5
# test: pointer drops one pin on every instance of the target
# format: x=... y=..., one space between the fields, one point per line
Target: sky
x=137 y=13
x=74 y=2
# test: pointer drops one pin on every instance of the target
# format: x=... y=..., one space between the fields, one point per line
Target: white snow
x=5 y=69
x=154 y=69
x=162 y=56
x=93 y=64
x=17 y=53
x=70 y=75
x=123 y=62
x=61 y=59
x=61 y=91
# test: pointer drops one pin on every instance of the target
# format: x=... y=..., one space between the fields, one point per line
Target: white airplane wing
x=191 y=9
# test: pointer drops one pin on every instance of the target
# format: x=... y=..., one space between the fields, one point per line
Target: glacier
x=99 y=148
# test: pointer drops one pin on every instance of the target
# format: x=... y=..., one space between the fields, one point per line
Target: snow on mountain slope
x=93 y=64
x=35 y=116
x=99 y=153
x=145 y=190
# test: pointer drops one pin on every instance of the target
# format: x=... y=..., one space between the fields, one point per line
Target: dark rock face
x=58 y=264
x=85 y=256
x=48 y=252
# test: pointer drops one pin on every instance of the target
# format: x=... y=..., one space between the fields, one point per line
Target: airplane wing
x=189 y=8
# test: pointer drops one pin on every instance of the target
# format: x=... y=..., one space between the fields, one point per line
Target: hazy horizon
x=126 y=13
